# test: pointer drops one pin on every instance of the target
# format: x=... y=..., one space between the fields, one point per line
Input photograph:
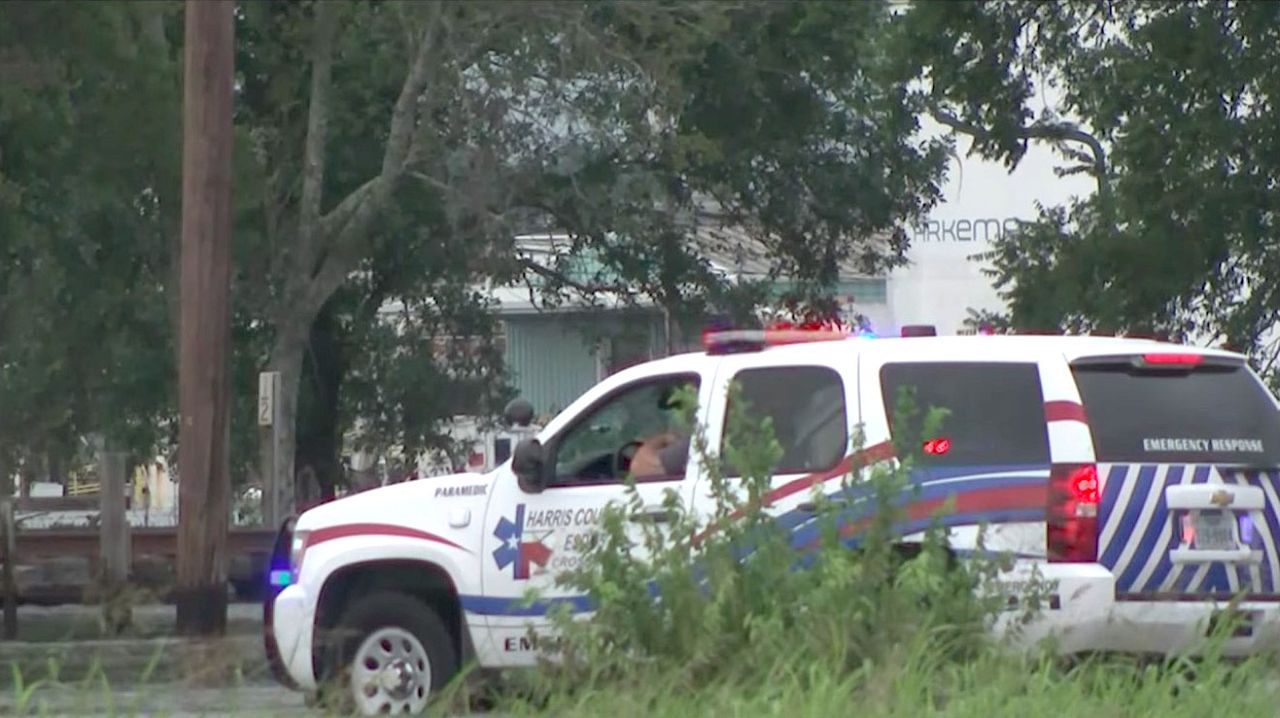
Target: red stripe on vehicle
x=330 y=533
x=1063 y=411
x=865 y=457
x=879 y=452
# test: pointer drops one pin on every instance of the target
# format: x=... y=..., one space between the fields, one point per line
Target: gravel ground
x=171 y=701
x=43 y=631
x=80 y=622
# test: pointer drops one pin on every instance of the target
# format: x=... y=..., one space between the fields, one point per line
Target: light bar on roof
x=724 y=341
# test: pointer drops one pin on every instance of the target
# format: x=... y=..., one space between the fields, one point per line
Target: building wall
x=554 y=358
x=981 y=201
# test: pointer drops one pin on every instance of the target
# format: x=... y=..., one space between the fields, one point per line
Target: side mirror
x=528 y=463
x=518 y=412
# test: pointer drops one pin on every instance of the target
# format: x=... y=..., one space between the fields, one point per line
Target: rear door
x=1188 y=449
x=991 y=455
x=808 y=406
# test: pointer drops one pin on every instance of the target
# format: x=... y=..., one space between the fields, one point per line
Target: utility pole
x=205 y=326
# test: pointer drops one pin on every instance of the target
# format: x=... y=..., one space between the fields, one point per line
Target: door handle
x=654 y=515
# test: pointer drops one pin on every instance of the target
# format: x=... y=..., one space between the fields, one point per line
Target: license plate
x=1215 y=531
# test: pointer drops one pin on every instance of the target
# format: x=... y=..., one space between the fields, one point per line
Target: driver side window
x=634 y=430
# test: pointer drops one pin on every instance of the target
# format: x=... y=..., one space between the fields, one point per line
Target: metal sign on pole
x=277 y=493
x=268 y=390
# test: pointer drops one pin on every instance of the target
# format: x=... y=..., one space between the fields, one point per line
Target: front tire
x=389 y=653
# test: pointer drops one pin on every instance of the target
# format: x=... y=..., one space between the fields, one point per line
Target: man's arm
x=674 y=457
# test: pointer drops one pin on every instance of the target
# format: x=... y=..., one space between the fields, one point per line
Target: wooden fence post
x=9 y=527
x=114 y=539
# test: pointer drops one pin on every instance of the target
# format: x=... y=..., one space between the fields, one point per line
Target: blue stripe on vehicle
x=1188 y=578
x=1108 y=511
x=1217 y=581
x=1270 y=483
x=1147 y=534
x=517 y=606
x=811 y=534
x=1153 y=552
x=1164 y=566
x=1128 y=518
x=935 y=482
x=930 y=488
x=810 y=530
x=1268 y=529
x=1153 y=548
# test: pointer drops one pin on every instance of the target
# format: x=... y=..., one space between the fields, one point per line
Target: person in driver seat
x=663 y=454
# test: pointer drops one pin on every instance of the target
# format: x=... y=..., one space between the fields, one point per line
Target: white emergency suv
x=1142 y=477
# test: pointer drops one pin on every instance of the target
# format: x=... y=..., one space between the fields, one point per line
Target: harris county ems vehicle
x=1142 y=477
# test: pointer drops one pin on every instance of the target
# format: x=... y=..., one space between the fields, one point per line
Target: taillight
x=1072 y=521
x=937 y=447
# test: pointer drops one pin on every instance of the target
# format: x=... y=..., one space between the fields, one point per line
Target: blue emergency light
x=280 y=578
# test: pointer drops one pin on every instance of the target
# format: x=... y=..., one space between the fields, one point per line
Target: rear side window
x=807 y=406
x=1213 y=414
x=995 y=411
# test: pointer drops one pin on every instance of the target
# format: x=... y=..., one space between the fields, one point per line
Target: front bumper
x=286 y=622
x=288 y=639
x=1084 y=616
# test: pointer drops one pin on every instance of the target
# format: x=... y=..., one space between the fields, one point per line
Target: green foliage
x=613 y=121
x=89 y=143
x=626 y=124
x=780 y=119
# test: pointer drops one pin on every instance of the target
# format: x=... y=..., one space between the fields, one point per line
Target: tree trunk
x=340 y=236
x=319 y=421
x=281 y=439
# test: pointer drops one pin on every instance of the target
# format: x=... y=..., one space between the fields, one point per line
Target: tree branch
x=347 y=225
x=562 y=278
x=462 y=59
x=1052 y=132
x=313 y=164
x=404 y=118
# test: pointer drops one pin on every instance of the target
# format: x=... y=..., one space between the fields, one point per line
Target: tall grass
x=724 y=614
x=915 y=683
